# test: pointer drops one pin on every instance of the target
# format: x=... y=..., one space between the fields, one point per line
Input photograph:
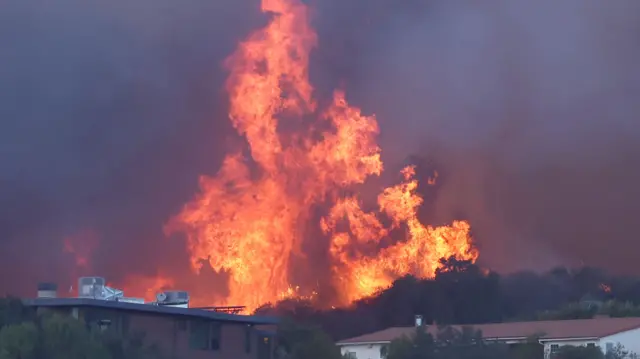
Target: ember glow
x=251 y=219
x=144 y=286
x=81 y=246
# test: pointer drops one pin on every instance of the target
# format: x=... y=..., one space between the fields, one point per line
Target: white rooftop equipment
x=95 y=288
x=131 y=300
x=47 y=290
x=173 y=298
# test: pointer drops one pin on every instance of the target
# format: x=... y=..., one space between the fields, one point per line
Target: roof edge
x=355 y=341
x=626 y=329
x=188 y=312
x=342 y=343
x=564 y=339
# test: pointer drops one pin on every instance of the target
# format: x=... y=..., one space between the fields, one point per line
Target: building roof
x=546 y=330
x=148 y=308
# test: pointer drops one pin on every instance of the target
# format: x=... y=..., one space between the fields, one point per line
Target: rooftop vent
x=131 y=300
x=173 y=298
x=47 y=290
x=95 y=288
x=418 y=321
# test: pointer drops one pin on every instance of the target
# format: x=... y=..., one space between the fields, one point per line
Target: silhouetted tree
x=24 y=335
x=462 y=293
x=619 y=352
x=532 y=349
x=12 y=311
x=421 y=346
x=579 y=352
x=569 y=311
x=19 y=341
x=448 y=344
x=304 y=342
x=64 y=337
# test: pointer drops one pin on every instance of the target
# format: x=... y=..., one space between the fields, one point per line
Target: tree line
x=300 y=342
x=462 y=293
x=468 y=344
x=26 y=335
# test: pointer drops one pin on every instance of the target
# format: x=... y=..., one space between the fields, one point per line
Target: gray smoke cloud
x=109 y=112
x=530 y=108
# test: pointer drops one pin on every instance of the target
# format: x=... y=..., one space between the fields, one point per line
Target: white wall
x=575 y=343
x=363 y=351
x=629 y=339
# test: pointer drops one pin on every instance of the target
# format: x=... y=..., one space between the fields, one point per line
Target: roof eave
x=493 y=339
x=363 y=343
x=543 y=340
x=82 y=302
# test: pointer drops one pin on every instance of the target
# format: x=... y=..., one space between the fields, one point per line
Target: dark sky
x=110 y=111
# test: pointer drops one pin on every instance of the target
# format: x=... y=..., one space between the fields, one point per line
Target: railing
x=229 y=310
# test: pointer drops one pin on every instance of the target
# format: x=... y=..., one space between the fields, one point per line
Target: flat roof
x=547 y=330
x=149 y=308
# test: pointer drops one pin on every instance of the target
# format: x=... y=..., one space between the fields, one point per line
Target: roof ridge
x=578 y=328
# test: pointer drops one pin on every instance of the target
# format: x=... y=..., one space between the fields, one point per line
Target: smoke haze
x=530 y=109
x=109 y=112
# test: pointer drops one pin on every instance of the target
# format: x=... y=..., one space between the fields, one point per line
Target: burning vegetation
x=252 y=218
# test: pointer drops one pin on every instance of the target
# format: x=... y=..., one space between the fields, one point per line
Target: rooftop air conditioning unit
x=95 y=288
x=173 y=298
x=131 y=300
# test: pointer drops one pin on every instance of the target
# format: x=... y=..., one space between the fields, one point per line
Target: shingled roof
x=547 y=330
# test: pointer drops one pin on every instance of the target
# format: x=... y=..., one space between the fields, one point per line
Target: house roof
x=547 y=330
x=148 y=308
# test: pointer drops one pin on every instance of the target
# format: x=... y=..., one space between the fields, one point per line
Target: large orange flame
x=249 y=219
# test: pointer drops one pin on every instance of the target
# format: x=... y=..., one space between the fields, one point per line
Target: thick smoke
x=110 y=111
x=529 y=107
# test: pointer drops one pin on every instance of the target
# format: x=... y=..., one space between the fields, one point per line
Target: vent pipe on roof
x=47 y=290
x=173 y=298
x=418 y=321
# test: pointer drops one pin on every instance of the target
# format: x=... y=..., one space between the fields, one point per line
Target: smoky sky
x=109 y=112
x=531 y=110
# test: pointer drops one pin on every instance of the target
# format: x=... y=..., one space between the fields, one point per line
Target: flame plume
x=249 y=219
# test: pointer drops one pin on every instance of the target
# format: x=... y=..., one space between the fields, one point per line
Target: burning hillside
x=252 y=218
x=106 y=140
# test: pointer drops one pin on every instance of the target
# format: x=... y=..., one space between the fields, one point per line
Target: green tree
x=56 y=336
x=532 y=349
x=305 y=342
x=420 y=346
x=619 y=352
x=19 y=341
x=569 y=311
x=619 y=309
x=64 y=337
x=448 y=343
x=466 y=343
x=579 y=352
x=132 y=346
x=13 y=311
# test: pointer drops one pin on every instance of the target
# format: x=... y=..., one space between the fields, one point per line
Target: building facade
x=177 y=332
x=605 y=333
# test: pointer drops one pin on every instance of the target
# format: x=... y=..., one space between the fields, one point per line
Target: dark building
x=182 y=333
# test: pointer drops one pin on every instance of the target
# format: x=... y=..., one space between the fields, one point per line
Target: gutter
x=542 y=341
x=362 y=343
